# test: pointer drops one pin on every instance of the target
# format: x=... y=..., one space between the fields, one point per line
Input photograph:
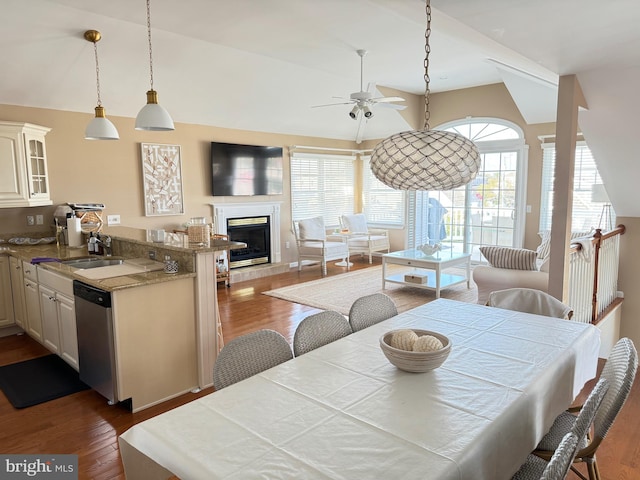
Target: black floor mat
x=39 y=380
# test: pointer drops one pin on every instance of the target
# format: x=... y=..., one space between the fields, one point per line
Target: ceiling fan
x=364 y=100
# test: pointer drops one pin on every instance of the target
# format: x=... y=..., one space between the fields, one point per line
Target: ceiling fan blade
x=362 y=122
x=392 y=106
x=331 y=104
x=387 y=99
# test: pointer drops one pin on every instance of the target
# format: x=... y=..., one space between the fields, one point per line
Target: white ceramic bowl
x=416 y=362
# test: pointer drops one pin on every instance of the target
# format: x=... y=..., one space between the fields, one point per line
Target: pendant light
x=100 y=128
x=425 y=159
x=153 y=116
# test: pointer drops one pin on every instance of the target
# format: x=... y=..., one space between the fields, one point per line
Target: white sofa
x=489 y=279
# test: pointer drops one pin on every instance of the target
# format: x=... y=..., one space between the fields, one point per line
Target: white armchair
x=314 y=244
x=362 y=239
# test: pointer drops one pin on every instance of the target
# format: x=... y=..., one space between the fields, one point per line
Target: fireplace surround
x=225 y=212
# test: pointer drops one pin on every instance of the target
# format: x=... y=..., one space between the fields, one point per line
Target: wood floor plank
x=85 y=425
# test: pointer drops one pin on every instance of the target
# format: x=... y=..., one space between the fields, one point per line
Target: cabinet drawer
x=30 y=271
x=55 y=281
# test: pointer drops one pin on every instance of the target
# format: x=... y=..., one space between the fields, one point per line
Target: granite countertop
x=27 y=253
x=175 y=241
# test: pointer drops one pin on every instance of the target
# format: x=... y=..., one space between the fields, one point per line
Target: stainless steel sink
x=93 y=262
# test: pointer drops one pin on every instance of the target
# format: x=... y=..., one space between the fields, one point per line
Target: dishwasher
x=96 y=349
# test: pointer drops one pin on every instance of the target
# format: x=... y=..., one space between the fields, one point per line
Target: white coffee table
x=430 y=266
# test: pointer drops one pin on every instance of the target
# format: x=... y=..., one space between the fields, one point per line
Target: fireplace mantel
x=224 y=211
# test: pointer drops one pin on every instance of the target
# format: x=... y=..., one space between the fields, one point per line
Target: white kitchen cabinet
x=17 y=292
x=49 y=314
x=6 y=302
x=23 y=165
x=58 y=315
x=32 y=301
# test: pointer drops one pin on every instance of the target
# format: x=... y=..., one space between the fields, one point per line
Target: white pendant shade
x=425 y=160
x=101 y=128
x=153 y=116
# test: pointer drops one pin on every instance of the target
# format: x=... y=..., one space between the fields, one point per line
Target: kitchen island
x=165 y=325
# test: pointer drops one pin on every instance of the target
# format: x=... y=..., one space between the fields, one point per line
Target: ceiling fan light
x=153 y=116
x=354 y=112
x=367 y=112
x=101 y=128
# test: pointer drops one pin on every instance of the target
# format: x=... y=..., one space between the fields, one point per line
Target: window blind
x=381 y=203
x=585 y=214
x=322 y=185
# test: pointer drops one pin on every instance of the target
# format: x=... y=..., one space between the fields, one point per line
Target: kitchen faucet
x=104 y=241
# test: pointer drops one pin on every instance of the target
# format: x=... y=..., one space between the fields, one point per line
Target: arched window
x=488 y=211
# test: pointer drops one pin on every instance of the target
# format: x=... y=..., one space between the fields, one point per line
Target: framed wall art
x=162 y=179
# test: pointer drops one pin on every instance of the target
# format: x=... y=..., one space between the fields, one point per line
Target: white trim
x=223 y=211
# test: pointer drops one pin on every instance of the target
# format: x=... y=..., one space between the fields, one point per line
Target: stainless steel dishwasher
x=96 y=349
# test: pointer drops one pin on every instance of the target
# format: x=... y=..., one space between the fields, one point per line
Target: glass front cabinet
x=23 y=165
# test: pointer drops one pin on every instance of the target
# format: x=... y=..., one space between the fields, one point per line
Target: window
x=322 y=185
x=487 y=211
x=381 y=203
x=585 y=214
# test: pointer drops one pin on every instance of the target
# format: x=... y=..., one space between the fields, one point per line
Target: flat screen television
x=245 y=170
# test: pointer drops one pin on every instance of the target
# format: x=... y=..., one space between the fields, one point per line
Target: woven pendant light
x=425 y=159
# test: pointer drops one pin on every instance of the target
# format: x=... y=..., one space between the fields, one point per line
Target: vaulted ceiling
x=261 y=65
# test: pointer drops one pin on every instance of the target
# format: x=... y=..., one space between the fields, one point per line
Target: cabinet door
x=17 y=292
x=68 y=332
x=49 y=311
x=32 y=307
x=23 y=165
x=6 y=301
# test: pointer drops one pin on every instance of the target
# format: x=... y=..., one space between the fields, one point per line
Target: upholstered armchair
x=314 y=244
x=361 y=238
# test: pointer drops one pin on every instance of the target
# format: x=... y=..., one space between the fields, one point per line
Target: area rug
x=338 y=292
x=39 y=380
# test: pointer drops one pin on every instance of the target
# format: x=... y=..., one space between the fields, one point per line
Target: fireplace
x=255 y=232
x=224 y=213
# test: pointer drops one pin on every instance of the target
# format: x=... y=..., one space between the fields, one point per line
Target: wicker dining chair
x=371 y=309
x=319 y=329
x=536 y=468
x=529 y=300
x=620 y=371
x=248 y=355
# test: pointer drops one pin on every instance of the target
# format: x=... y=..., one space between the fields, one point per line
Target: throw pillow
x=356 y=223
x=512 y=258
x=312 y=228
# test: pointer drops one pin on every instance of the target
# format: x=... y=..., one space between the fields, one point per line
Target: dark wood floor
x=85 y=425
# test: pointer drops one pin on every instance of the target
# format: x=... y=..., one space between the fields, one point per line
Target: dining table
x=343 y=411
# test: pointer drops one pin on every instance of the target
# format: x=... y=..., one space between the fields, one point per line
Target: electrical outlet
x=287 y=245
x=31 y=220
x=113 y=219
x=39 y=219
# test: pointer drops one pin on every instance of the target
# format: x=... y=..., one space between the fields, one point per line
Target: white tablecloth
x=344 y=412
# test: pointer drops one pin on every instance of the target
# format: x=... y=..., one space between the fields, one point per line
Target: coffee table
x=427 y=267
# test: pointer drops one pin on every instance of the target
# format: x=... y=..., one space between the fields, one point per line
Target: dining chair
x=314 y=244
x=530 y=300
x=620 y=371
x=249 y=354
x=558 y=465
x=319 y=329
x=371 y=309
x=362 y=239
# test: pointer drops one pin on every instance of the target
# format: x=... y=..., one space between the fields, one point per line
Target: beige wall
x=109 y=172
x=629 y=278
